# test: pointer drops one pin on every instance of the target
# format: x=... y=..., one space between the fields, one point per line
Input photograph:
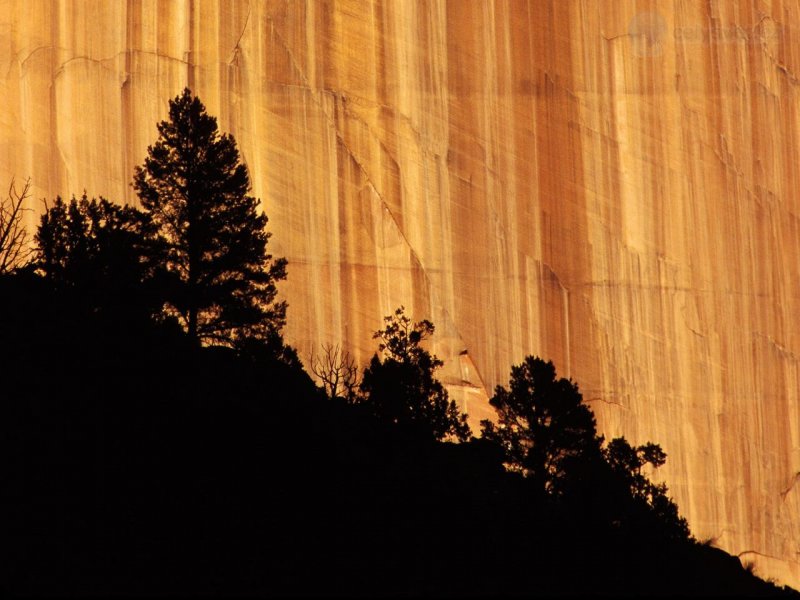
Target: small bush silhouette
x=402 y=388
x=99 y=253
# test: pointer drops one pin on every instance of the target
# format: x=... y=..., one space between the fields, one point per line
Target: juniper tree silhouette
x=99 y=254
x=549 y=435
x=402 y=389
x=221 y=282
x=544 y=429
x=642 y=503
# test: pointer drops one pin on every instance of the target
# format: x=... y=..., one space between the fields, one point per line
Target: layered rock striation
x=614 y=185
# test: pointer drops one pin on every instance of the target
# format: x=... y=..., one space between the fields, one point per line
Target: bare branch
x=15 y=247
x=338 y=372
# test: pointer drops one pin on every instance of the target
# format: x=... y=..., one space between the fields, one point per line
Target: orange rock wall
x=611 y=184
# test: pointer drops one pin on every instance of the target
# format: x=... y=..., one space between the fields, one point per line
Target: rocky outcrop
x=612 y=185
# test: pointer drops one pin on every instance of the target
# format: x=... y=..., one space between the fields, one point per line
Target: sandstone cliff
x=609 y=184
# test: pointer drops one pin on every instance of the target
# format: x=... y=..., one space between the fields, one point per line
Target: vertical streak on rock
x=131 y=43
x=192 y=55
x=560 y=186
x=55 y=179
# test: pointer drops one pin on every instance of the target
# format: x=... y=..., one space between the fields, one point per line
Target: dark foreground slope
x=135 y=465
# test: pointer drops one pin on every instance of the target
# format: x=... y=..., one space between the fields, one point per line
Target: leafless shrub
x=337 y=370
x=15 y=247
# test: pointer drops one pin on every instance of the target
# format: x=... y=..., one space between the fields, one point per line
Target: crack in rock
x=101 y=61
x=31 y=53
x=606 y=401
x=234 y=60
x=785 y=492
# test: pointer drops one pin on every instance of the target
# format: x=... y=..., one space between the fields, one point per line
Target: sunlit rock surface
x=609 y=184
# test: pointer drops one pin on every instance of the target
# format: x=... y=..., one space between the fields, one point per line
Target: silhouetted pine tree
x=212 y=240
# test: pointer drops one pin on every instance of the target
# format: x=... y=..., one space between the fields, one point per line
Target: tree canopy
x=100 y=252
x=402 y=388
x=212 y=241
x=544 y=428
x=626 y=463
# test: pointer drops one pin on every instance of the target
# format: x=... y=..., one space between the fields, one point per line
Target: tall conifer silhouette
x=212 y=240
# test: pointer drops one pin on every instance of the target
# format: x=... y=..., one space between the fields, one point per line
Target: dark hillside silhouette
x=151 y=467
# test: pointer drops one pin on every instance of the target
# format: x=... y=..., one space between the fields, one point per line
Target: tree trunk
x=193 y=326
